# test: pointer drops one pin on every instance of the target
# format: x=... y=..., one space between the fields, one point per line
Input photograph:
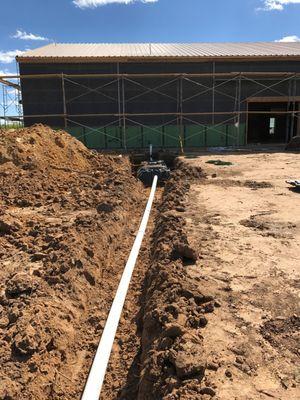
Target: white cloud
x=289 y=39
x=5 y=72
x=98 y=3
x=278 y=4
x=7 y=57
x=28 y=36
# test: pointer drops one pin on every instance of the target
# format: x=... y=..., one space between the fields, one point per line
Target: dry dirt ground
x=245 y=222
x=213 y=308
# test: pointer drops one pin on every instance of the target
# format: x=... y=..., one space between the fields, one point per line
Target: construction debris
x=295 y=184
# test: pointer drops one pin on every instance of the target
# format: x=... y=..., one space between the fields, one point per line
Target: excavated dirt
x=122 y=376
x=64 y=221
x=212 y=310
x=174 y=364
x=67 y=223
x=158 y=349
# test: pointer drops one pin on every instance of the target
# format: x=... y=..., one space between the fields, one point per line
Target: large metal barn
x=127 y=96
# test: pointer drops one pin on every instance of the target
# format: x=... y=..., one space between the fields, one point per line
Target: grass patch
x=219 y=162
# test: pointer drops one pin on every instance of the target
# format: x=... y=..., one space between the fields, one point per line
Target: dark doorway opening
x=272 y=127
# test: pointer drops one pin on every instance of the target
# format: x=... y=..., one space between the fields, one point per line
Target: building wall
x=45 y=97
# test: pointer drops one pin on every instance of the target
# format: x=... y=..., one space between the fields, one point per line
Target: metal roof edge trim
x=83 y=60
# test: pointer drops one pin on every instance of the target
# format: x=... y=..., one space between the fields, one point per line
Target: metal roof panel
x=162 y=50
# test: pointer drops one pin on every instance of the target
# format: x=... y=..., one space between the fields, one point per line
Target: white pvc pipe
x=96 y=376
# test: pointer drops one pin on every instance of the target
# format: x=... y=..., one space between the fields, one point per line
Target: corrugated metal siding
x=162 y=50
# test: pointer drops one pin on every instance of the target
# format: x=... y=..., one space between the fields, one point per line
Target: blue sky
x=33 y=23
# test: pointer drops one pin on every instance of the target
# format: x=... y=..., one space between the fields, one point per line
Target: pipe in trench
x=97 y=372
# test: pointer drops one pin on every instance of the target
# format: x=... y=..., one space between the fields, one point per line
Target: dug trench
x=68 y=218
x=159 y=352
x=198 y=322
x=174 y=361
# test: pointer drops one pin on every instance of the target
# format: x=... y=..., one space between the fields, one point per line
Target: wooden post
x=124 y=112
x=298 y=120
x=64 y=100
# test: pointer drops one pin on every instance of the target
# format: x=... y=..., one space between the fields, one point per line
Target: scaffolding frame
x=216 y=82
x=10 y=98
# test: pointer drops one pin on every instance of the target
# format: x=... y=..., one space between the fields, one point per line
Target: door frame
x=273 y=99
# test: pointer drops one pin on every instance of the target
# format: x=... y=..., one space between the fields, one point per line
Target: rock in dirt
x=185 y=252
x=27 y=342
x=228 y=373
x=189 y=363
x=7 y=225
x=105 y=207
x=4 y=321
x=20 y=284
x=208 y=390
x=173 y=330
x=38 y=256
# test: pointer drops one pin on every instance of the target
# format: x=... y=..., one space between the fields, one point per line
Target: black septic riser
x=148 y=170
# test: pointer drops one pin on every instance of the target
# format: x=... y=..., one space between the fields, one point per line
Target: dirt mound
x=184 y=169
x=66 y=229
x=39 y=147
x=173 y=360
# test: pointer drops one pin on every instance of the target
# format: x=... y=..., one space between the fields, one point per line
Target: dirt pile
x=39 y=146
x=185 y=170
x=65 y=215
x=173 y=360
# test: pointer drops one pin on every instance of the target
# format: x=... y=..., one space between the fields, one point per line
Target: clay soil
x=244 y=221
x=68 y=218
x=213 y=307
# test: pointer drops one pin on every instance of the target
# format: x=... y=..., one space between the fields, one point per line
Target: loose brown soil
x=173 y=360
x=122 y=377
x=213 y=307
x=67 y=221
x=156 y=352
